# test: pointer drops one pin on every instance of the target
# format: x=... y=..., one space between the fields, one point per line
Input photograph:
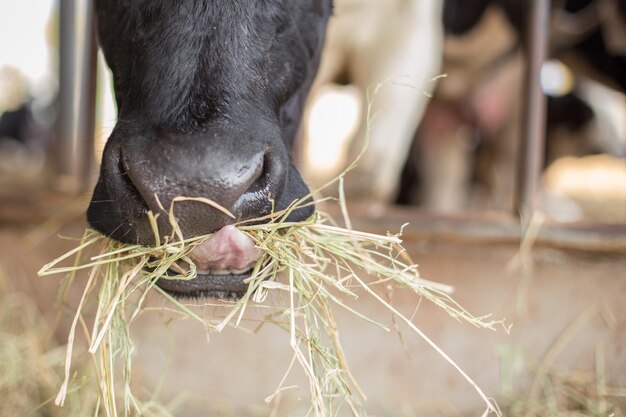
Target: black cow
x=209 y=96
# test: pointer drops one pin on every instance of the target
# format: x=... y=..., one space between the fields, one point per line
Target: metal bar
x=66 y=144
x=469 y=229
x=73 y=151
x=86 y=112
x=489 y=228
x=534 y=117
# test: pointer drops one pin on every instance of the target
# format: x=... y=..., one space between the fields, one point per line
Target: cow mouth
x=224 y=262
x=222 y=286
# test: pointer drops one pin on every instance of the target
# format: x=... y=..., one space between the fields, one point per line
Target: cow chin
x=227 y=286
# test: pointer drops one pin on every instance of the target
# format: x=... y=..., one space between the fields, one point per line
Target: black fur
x=461 y=16
x=210 y=96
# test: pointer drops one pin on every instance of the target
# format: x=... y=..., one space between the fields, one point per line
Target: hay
x=31 y=363
x=559 y=392
x=314 y=265
x=323 y=264
x=567 y=393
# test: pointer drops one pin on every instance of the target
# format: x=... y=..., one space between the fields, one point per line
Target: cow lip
x=226 y=286
x=223 y=262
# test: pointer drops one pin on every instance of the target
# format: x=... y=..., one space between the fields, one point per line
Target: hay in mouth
x=315 y=265
x=223 y=263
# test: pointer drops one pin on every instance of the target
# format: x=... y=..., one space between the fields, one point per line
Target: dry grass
x=312 y=266
x=566 y=393
x=559 y=392
x=315 y=264
x=31 y=363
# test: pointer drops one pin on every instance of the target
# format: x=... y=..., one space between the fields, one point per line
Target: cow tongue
x=229 y=251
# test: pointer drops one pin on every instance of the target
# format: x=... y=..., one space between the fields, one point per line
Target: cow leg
x=405 y=57
x=444 y=164
x=333 y=63
x=496 y=112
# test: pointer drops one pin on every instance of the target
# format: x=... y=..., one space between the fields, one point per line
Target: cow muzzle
x=247 y=176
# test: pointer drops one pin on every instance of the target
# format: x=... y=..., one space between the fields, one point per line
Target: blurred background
x=435 y=98
x=448 y=112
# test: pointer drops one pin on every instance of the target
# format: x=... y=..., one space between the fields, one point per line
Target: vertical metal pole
x=532 y=151
x=86 y=112
x=66 y=145
x=77 y=95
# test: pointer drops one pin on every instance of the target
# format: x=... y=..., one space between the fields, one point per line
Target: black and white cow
x=589 y=34
x=479 y=102
x=209 y=96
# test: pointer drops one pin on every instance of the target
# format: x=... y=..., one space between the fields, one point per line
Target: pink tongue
x=228 y=250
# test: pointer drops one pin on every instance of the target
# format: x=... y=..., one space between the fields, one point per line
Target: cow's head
x=209 y=95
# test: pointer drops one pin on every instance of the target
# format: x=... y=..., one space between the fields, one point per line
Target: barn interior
x=502 y=146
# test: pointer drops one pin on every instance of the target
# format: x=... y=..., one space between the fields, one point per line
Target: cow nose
x=244 y=168
x=242 y=181
x=141 y=174
x=239 y=185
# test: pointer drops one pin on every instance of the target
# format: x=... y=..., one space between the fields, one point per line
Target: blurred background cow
x=468 y=143
x=364 y=50
x=465 y=151
x=446 y=117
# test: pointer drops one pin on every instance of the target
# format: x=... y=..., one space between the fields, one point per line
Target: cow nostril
x=132 y=190
x=263 y=176
x=258 y=199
